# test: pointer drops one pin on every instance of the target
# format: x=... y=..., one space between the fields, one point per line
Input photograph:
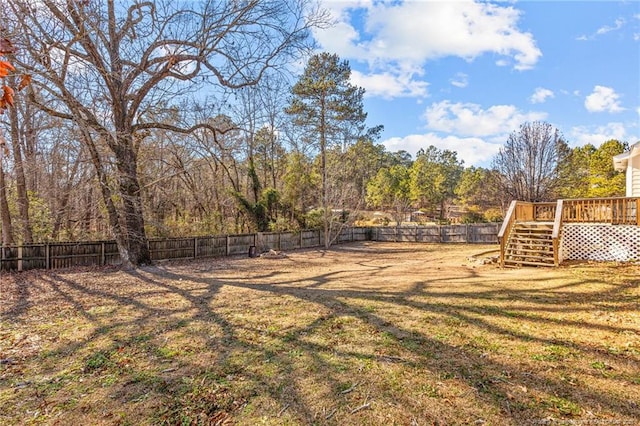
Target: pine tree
x=329 y=109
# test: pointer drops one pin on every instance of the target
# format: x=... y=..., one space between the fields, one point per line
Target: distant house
x=630 y=162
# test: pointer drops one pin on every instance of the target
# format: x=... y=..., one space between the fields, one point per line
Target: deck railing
x=544 y=212
x=507 y=225
x=613 y=210
x=617 y=211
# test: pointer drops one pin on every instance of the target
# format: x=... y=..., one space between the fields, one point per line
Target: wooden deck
x=520 y=245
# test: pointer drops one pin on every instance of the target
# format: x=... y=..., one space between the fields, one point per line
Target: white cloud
x=388 y=85
x=426 y=30
x=606 y=29
x=401 y=34
x=603 y=99
x=474 y=151
x=471 y=120
x=541 y=95
x=341 y=38
x=476 y=134
x=618 y=24
x=460 y=80
x=597 y=135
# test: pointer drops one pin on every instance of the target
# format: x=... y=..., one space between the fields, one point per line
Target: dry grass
x=376 y=334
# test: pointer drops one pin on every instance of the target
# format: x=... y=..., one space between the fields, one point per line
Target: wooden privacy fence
x=58 y=255
x=482 y=233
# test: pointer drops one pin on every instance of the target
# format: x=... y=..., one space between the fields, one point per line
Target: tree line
x=168 y=118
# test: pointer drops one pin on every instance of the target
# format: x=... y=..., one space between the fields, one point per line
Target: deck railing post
x=555 y=234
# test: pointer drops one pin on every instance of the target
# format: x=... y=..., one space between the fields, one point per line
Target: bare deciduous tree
x=5 y=215
x=107 y=65
x=529 y=162
x=19 y=130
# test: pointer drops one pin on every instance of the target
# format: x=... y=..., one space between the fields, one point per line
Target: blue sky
x=463 y=75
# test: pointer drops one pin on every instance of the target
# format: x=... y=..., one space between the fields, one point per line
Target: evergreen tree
x=329 y=109
x=604 y=180
x=478 y=189
x=390 y=190
x=434 y=177
x=587 y=172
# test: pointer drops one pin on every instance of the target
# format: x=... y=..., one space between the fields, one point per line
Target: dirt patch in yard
x=367 y=333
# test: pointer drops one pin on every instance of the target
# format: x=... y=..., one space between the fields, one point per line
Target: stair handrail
x=507 y=223
x=555 y=234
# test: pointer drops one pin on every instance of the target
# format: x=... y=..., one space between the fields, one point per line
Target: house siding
x=634 y=171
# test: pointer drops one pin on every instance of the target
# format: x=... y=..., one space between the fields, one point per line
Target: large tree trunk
x=132 y=210
x=31 y=120
x=326 y=213
x=119 y=231
x=5 y=216
x=21 y=183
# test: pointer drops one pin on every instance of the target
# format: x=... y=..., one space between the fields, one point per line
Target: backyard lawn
x=361 y=334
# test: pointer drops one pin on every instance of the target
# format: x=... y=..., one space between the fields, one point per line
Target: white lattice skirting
x=600 y=242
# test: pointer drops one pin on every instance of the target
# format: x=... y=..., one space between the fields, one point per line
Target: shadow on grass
x=343 y=346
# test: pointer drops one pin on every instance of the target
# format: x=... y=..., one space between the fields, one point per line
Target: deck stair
x=530 y=244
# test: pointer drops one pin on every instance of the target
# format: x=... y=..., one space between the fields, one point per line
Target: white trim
x=629 y=162
x=621 y=161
